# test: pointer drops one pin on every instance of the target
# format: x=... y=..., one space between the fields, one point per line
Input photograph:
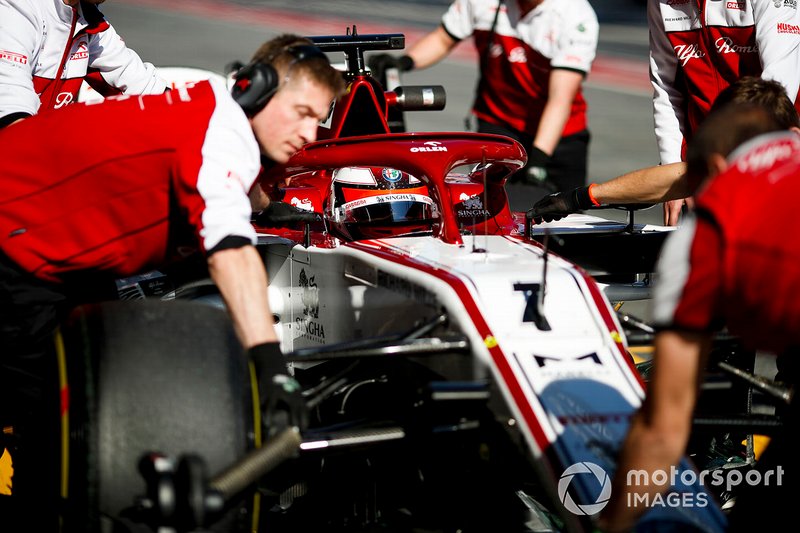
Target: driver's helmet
x=378 y=202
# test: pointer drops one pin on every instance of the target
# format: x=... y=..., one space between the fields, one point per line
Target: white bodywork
x=570 y=390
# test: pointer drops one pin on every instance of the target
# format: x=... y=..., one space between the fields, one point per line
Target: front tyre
x=148 y=376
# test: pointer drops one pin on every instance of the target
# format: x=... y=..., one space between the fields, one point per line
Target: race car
x=460 y=375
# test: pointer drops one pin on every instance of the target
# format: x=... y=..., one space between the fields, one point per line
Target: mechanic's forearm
x=646 y=185
x=658 y=434
x=432 y=48
x=241 y=279
x=563 y=87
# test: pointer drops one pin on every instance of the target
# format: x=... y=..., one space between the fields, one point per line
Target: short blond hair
x=278 y=53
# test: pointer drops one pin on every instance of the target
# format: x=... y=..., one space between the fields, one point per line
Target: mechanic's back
x=55 y=215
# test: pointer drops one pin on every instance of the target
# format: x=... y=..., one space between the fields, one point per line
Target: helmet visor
x=390 y=210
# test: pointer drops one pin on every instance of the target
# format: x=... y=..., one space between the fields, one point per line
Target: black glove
x=282 y=403
x=560 y=204
x=378 y=63
x=535 y=171
x=537 y=166
x=281 y=214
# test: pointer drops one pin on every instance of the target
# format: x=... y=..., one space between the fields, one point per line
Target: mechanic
x=48 y=47
x=175 y=178
x=734 y=264
x=699 y=47
x=668 y=182
x=534 y=56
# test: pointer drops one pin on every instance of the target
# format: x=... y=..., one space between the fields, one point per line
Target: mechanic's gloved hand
x=378 y=63
x=558 y=205
x=282 y=403
x=537 y=167
x=281 y=214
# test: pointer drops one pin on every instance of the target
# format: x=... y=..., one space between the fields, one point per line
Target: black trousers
x=568 y=165
x=30 y=311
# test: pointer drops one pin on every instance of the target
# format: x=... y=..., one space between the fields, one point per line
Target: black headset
x=255 y=83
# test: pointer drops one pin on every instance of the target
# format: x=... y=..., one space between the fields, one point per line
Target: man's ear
x=716 y=165
x=795 y=130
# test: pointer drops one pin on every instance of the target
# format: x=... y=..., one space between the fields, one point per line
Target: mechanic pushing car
x=534 y=56
x=725 y=266
x=48 y=48
x=173 y=177
x=668 y=182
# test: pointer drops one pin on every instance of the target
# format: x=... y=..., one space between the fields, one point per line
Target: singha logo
x=471 y=202
x=310 y=296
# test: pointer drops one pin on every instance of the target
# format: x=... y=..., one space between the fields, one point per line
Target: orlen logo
x=430 y=146
x=82 y=53
x=13 y=57
x=788 y=28
x=63 y=99
x=685 y=52
x=736 y=5
x=725 y=45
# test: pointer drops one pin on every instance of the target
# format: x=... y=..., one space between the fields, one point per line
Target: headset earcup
x=255 y=83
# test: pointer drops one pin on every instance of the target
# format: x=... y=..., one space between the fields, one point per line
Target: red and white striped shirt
x=164 y=175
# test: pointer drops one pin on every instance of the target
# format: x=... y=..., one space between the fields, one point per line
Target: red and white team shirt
x=48 y=48
x=699 y=47
x=172 y=177
x=514 y=80
x=737 y=262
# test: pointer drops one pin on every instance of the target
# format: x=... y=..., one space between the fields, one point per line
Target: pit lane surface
x=210 y=34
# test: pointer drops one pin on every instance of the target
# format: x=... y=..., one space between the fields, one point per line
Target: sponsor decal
x=776 y=3
x=581 y=28
x=302 y=203
x=391 y=175
x=677 y=2
x=471 y=202
x=429 y=146
x=81 y=53
x=406 y=288
x=517 y=55
x=725 y=45
x=741 y=6
x=473 y=206
x=310 y=295
x=307 y=324
x=788 y=28
x=542 y=360
x=13 y=57
x=63 y=99
x=685 y=52
x=766 y=156
x=790 y=3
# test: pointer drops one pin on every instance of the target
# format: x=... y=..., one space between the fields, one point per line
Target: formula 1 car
x=460 y=374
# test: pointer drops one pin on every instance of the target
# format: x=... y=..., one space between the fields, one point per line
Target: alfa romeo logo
x=583 y=469
x=391 y=175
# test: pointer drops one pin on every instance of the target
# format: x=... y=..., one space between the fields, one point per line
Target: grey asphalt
x=620 y=117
